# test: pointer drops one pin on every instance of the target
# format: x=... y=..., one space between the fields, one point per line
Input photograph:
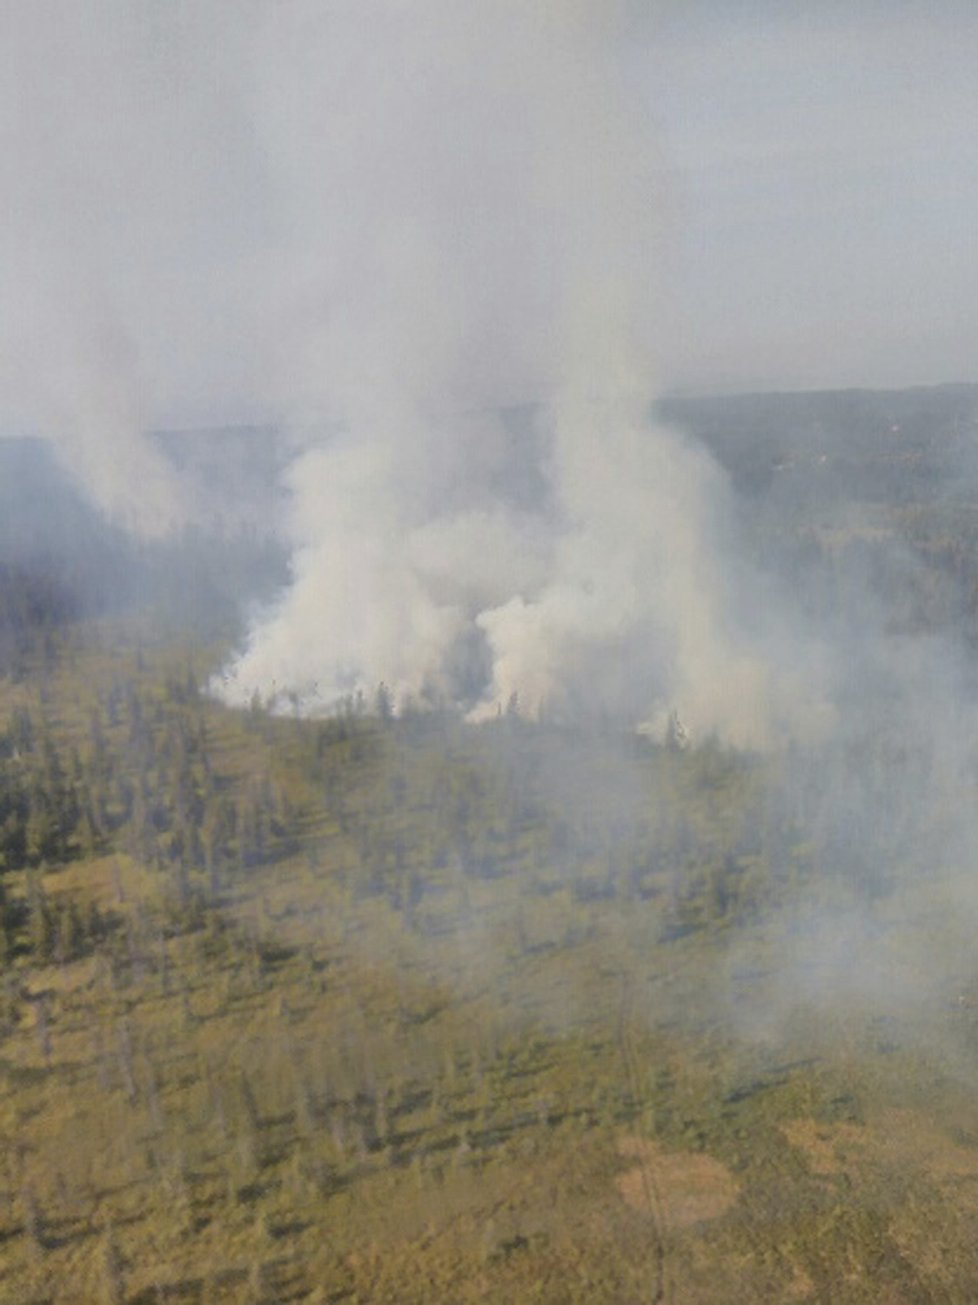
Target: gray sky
x=817 y=206
x=824 y=201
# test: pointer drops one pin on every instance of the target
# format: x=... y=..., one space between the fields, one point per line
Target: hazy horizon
x=815 y=181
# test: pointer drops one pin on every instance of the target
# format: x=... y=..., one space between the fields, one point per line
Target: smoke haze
x=428 y=241
x=473 y=215
x=130 y=295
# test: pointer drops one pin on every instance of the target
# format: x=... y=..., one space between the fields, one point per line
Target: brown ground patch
x=909 y=1137
x=680 y=1188
x=828 y=1148
x=898 y=1137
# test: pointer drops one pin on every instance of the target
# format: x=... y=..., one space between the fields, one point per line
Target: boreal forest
x=383 y=1005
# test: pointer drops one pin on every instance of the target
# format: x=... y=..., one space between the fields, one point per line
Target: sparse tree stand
x=322 y=986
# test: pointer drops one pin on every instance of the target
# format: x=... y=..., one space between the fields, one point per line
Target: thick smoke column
x=425 y=238
x=472 y=212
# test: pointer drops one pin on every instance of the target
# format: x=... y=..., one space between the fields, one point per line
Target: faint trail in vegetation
x=662 y=1292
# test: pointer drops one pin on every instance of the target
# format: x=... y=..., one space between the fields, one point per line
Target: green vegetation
x=398 y=1009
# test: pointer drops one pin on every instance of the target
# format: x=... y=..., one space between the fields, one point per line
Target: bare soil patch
x=688 y=1188
x=903 y=1138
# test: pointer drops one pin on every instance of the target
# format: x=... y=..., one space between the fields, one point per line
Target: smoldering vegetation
x=574 y=552
x=854 y=514
x=850 y=866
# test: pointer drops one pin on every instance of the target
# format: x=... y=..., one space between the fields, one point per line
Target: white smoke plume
x=427 y=239
x=472 y=214
x=123 y=163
